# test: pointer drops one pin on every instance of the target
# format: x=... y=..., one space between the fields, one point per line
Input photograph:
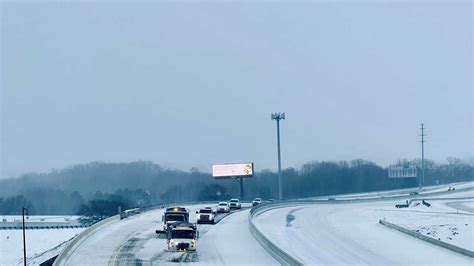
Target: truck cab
x=173 y=215
x=182 y=236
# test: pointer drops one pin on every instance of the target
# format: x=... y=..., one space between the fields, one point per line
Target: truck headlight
x=171 y=243
x=193 y=243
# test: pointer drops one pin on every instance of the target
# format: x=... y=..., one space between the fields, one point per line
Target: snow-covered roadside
x=350 y=234
x=439 y=221
x=37 y=242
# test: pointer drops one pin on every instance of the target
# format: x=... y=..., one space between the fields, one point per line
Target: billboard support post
x=241 y=182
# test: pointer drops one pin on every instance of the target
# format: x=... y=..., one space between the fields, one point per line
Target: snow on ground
x=439 y=221
x=469 y=204
x=39 y=218
x=443 y=188
x=349 y=233
x=134 y=241
x=230 y=242
x=15 y=221
x=37 y=242
x=216 y=245
x=100 y=246
x=454 y=194
x=401 y=192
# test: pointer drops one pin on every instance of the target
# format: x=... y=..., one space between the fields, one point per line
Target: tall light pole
x=23 y=211
x=422 y=178
x=278 y=117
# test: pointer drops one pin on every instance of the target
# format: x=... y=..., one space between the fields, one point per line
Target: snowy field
x=37 y=242
x=38 y=222
x=349 y=233
x=39 y=218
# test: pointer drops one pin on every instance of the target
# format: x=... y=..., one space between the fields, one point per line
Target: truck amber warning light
x=232 y=170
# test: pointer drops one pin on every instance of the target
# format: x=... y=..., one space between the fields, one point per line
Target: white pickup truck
x=205 y=215
x=235 y=204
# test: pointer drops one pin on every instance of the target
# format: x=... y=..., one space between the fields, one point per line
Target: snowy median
x=440 y=221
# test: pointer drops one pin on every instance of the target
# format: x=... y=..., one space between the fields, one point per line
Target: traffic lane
x=100 y=246
x=230 y=242
x=153 y=250
x=145 y=246
x=218 y=216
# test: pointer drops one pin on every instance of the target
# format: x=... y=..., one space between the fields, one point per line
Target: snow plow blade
x=161 y=233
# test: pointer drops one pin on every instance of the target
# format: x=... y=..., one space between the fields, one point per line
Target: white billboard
x=396 y=171
x=230 y=170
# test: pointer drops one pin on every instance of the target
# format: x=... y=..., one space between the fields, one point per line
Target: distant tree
x=173 y=194
x=101 y=208
x=98 y=195
x=213 y=192
x=13 y=205
x=134 y=197
x=76 y=200
x=144 y=183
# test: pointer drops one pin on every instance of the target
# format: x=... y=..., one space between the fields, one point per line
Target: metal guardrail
x=128 y=213
x=433 y=241
x=38 y=227
x=60 y=260
x=277 y=253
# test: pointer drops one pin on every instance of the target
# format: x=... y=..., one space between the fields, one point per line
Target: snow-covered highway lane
x=349 y=233
x=134 y=241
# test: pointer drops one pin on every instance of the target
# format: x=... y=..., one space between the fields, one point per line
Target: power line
x=422 y=178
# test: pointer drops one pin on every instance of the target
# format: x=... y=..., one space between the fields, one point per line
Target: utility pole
x=422 y=178
x=23 y=210
x=278 y=117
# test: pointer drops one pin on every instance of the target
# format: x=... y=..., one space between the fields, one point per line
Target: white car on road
x=205 y=215
x=256 y=201
x=223 y=207
x=235 y=204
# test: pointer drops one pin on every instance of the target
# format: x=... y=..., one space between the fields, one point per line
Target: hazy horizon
x=208 y=168
x=186 y=84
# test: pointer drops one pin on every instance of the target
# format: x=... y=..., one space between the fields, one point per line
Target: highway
x=348 y=233
x=134 y=241
x=335 y=232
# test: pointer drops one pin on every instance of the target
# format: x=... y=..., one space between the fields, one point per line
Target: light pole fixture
x=278 y=117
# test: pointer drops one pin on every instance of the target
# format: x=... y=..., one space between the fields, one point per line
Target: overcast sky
x=189 y=84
